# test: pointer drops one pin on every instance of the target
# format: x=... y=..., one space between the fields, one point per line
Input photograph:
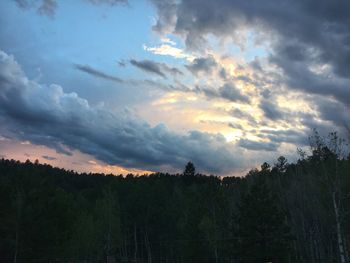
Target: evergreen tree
x=53 y=215
x=190 y=170
x=263 y=233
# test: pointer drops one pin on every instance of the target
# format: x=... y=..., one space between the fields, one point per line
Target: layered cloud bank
x=307 y=41
x=226 y=84
x=46 y=115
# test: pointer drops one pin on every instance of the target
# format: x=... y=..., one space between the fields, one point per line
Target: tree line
x=284 y=212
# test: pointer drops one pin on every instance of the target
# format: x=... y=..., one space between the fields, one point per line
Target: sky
x=132 y=86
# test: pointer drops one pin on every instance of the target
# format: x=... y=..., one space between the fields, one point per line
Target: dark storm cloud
x=301 y=22
x=303 y=35
x=94 y=72
x=159 y=69
x=204 y=65
x=257 y=146
x=46 y=115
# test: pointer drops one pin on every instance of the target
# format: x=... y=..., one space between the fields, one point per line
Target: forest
x=282 y=212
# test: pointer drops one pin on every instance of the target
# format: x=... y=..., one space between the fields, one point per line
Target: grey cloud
x=222 y=73
x=94 y=72
x=167 y=17
x=271 y=111
x=313 y=122
x=228 y=92
x=257 y=146
x=245 y=79
x=266 y=93
x=46 y=115
x=155 y=67
x=230 y=124
x=121 y=63
x=305 y=34
x=172 y=70
x=108 y=2
x=337 y=113
x=235 y=126
x=205 y=65
x=325 y=26
x=22 y=3
x=256 y=64
x=288 y=136
x=48 y=7
x=49 y=158
x=300 y=77
x=148 y=66
x=43 y=7
x=237 y=113
x=142 y=83
x=330 y=116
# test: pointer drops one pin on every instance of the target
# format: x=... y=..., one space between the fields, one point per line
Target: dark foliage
x=283 y=213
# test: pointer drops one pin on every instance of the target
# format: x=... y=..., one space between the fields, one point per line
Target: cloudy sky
x=135 y=86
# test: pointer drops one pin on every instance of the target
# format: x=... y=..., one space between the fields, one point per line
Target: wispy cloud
x=157 y=68
x=49 y=158
x=97 y=73
x=48 y=7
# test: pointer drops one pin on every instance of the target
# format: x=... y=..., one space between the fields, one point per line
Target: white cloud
x=168 y=50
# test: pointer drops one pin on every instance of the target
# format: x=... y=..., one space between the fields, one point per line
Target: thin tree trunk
x=346 y=249
x=148 y=247
x=19 y=205
x=339 y=235
x=16 y=246
x=135 y=243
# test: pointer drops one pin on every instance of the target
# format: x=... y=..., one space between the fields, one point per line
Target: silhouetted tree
x=263 y=233
x=53 y=215
x=190 y=170
x=281 y=164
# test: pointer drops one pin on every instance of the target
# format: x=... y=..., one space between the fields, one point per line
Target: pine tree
x=263 y=233
x=190 y=170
